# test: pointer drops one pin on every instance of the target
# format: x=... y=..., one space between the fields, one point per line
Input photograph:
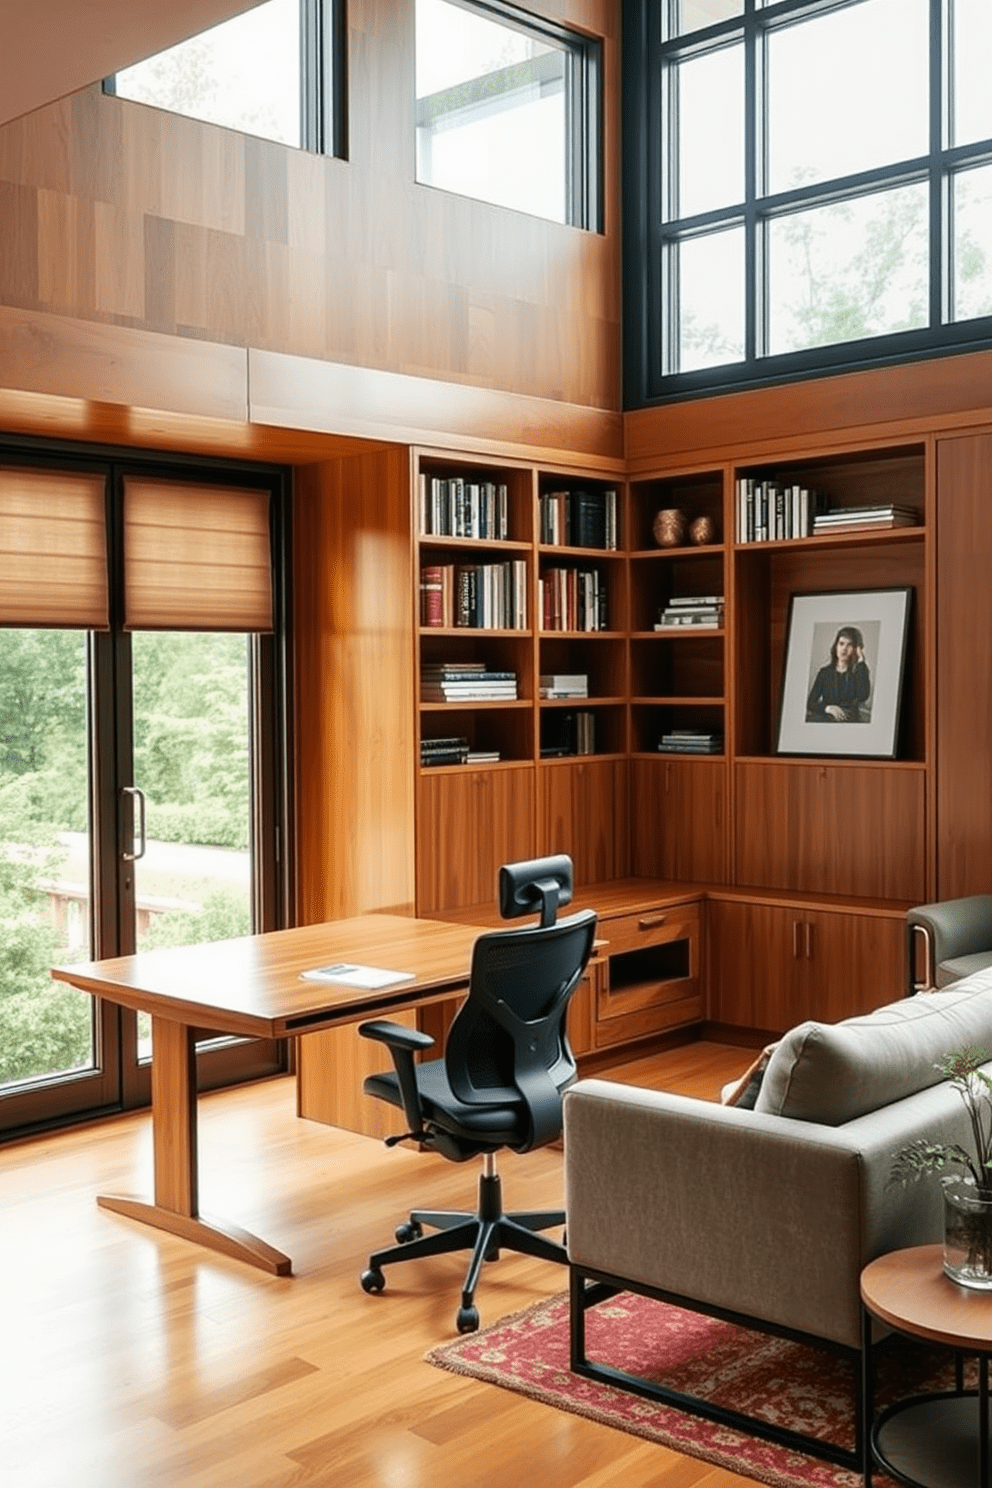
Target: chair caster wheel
x=373 y=1280
x=406 y=1232
x=467 y=1320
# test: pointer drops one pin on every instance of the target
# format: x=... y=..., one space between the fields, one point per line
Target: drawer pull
x=651 y=922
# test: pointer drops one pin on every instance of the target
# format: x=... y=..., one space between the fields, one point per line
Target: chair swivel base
x=484 y=1233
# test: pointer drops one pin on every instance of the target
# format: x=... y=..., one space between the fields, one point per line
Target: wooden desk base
x=175 y=1207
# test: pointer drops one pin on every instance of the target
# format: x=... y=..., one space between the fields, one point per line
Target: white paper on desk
x=349 y=975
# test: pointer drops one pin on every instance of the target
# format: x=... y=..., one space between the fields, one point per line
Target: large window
x=275 y=71
x=142 y=751
x=508 y=109
x=809 y=187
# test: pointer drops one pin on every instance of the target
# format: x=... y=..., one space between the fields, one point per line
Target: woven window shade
x=53 y=548
x=196 y=557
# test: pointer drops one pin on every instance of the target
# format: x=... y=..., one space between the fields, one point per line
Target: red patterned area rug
x=805 y=1389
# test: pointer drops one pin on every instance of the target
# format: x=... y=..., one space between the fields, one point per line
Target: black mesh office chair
x=506 y=1063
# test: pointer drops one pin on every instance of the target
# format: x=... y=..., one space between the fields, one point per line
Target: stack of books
x=453 y=751
x=692 y=609
x=460 y=506
x=480 y=596
x=768 y=511
x=690 y=741
x=482 y=757
x=579 y=519
x=846 y=518
x=564 y=734
x=564 y=685
x=466 y=682
x=572 y=599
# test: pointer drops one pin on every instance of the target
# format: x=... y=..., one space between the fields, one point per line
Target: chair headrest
x=535 y=886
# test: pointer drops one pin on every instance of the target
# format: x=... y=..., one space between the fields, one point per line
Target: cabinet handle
x=796 y=945
x=651 y=922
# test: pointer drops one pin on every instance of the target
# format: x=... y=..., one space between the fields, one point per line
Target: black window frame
x=583 y=105
x=323 y=79
x=650 y=315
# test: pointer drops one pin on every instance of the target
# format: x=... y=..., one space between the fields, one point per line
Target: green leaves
x=963 y=1069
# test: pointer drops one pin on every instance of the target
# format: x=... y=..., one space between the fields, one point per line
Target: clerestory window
x=276 y=71
x=508 y=109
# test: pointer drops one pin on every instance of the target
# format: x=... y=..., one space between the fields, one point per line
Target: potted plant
x=967 y=1187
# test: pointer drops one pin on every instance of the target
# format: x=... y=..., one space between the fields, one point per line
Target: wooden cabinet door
x=678 y=820
x=470 y=822
x=583 y=812
x=964 y=666
x=758 y=975
x=772 y=966
x=833 y=829
x=856 y=962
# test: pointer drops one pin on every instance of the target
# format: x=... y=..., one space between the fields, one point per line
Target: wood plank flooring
x=131 y=1359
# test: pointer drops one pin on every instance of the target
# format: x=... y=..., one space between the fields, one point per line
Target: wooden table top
x=253 y=985
x=909 y=1290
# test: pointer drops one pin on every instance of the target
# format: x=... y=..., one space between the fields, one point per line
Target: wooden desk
x=253 y=987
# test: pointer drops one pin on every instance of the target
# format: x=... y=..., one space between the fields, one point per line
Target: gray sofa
x=768 y=1215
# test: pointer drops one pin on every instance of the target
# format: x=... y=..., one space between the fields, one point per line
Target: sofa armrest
x=757 y=1214
x=953 y=928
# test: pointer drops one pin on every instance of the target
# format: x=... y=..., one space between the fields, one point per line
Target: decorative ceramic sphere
x=702 y=531
x=669 y=528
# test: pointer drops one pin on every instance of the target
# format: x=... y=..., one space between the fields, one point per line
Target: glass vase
x=967 y=1233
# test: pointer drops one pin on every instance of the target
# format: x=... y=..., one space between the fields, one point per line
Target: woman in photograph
x=842 y=688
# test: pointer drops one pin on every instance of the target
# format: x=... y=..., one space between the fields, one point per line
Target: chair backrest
x=507 y=1044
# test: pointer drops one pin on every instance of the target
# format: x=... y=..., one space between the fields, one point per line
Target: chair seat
x=498 y=1125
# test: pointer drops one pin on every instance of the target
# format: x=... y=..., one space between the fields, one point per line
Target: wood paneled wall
x=124 y=215
x=353 y=684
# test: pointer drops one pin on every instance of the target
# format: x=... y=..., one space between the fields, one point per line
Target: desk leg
x=176 y=1206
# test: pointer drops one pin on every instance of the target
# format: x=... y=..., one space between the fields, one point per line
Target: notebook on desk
x=347 y=974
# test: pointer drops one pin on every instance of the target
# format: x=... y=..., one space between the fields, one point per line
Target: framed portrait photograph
x=842 y=678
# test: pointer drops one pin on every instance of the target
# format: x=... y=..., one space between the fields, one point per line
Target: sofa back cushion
x=834 y=1072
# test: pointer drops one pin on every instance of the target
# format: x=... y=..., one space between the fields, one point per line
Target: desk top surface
x=254 y=985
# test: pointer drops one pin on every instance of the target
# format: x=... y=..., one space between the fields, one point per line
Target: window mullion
x=941 y=207
x=755 y=163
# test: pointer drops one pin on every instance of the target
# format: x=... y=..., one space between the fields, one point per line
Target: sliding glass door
x=142 y=781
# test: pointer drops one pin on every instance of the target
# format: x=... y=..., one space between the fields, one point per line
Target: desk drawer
x=651 y=927
x=653 y=980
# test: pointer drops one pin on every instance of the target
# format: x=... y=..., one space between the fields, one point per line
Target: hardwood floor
x=133 y=1359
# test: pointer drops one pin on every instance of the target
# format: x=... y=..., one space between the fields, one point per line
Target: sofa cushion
x=834 y=1072
x=962 y=966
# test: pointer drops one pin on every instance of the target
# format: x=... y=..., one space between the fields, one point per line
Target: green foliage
x=224 y=914
x=964 y=1071
x=45 y=1029
x=192 y=760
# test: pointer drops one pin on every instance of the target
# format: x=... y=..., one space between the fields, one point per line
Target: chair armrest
x=403 y=1043
x=756 y=1214
x=953 y=927
x=396 y=1035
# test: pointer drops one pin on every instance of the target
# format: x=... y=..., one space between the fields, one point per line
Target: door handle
x=139 y=796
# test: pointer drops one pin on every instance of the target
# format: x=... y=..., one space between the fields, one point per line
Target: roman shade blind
x=53 y=548
x=196 y=557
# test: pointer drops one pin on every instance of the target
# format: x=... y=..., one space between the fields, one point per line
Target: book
x=558 y=685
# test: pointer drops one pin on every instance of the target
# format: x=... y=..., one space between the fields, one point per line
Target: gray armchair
x=951 y=939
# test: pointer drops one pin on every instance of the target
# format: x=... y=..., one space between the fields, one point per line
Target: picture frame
x=842 y=674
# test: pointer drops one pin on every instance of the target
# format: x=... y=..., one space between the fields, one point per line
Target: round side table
x=939 y=1440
